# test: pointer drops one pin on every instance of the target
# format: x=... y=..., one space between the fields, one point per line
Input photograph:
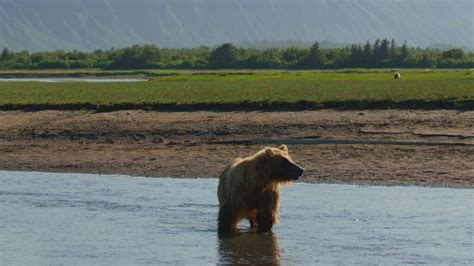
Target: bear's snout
x=297 y=173
x=294 y=171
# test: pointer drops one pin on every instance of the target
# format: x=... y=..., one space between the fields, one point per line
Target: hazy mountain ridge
x=92 y=24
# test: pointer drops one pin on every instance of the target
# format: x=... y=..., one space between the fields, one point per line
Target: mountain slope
x=92 y=24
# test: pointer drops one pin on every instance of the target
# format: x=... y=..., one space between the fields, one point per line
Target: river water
x=63 y=80
x=78 y=219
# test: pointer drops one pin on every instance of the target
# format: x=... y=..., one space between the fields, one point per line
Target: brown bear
x=250 y=188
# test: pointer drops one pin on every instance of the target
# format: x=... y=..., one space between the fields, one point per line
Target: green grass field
x=272 y=89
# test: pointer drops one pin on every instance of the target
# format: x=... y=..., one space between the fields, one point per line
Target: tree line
x=378 y=54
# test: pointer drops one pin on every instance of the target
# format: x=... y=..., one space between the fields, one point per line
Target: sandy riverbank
x=183 y=144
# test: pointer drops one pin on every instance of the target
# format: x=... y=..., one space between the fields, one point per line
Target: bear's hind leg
x=227 y=218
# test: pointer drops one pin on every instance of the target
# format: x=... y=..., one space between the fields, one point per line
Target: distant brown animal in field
x=397 y=75
x=250 y=188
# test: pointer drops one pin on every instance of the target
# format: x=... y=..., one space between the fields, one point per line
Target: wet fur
x=249 y=188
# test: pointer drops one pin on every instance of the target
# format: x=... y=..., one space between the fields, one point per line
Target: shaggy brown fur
x=250 y=188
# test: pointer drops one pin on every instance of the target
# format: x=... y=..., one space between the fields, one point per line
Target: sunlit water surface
x=63 y=80
x=90 y=219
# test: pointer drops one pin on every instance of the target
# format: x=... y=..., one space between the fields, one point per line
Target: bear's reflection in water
x=249 y=247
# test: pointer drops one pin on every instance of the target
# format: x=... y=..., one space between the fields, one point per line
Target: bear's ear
x=269 y=151
x=284 y=148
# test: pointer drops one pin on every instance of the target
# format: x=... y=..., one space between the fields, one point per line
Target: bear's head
x=279 y=164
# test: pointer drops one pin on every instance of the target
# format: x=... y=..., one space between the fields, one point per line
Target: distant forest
x=379 y=54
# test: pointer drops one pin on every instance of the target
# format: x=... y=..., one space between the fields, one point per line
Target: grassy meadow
x=247 y=89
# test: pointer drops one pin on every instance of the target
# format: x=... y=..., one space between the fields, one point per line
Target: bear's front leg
x=267 y=212
x=252 y=217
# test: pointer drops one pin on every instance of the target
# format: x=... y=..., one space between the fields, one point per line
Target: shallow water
x=63 y=80
x=90 y=219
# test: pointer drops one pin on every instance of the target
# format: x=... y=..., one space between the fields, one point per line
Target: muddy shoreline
x=464 y=105
x=201 y=143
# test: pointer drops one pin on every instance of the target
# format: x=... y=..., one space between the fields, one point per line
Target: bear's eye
x=286 y=162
